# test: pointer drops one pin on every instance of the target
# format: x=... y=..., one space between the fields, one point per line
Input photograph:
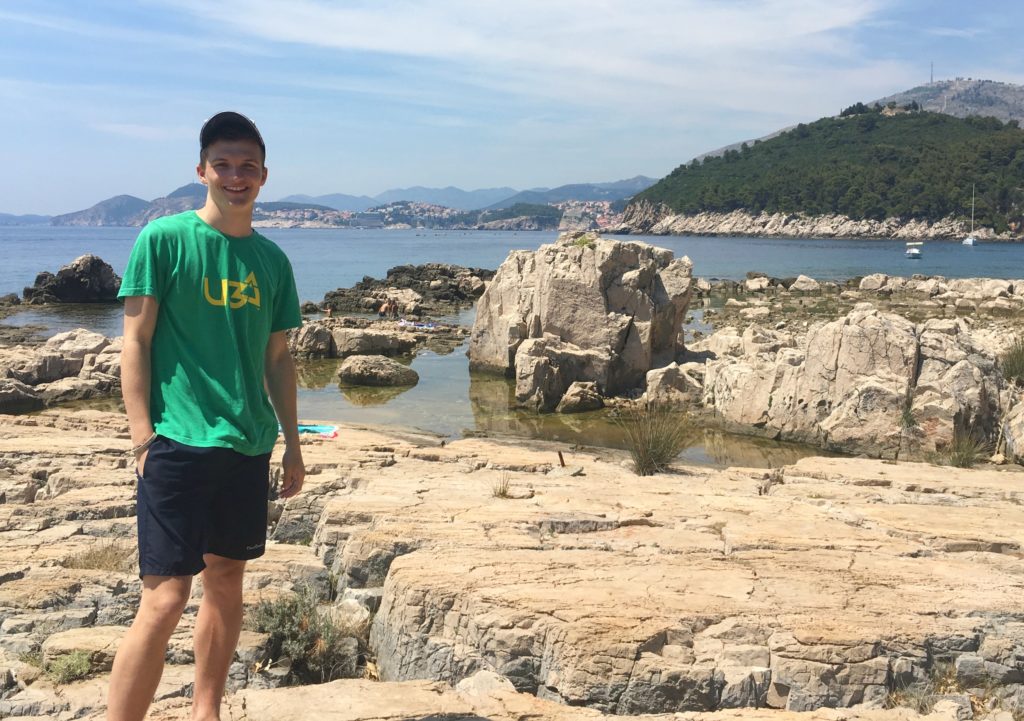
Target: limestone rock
x=431 y=288
x=365 y=341
x=1013 y=430
x=675 y=384
x=99 y=642
x=804 y=284
x=624 y=301
x=579 y=397
x=313 y=340
x=846 y=384
x=547 y=367
x=376 y=370
x=18 y=397
x=87 y=279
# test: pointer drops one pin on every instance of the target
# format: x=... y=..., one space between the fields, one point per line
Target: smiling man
x=208 y=302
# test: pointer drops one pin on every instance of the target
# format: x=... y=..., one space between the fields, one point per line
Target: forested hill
x=865 y=164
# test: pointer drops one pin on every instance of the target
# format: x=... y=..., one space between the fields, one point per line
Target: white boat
x=914 y=250
x=970 y=239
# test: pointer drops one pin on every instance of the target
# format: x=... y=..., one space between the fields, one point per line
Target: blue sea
x=447 y=399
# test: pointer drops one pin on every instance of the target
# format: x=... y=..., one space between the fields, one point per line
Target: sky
x=106 y=97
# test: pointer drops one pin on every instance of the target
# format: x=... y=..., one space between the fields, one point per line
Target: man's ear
x=264 y=181
x=201 y=172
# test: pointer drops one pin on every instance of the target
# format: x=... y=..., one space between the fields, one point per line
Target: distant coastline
x=649 y=219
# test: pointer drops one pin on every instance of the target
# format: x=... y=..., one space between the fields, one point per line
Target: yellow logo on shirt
x=238 y=295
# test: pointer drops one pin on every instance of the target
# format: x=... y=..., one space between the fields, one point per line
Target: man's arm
x=140 y=313
x=279 y=369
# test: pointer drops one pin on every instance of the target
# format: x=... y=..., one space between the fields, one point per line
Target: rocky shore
x=580 y=591
x=648 y=218
x=431 y=289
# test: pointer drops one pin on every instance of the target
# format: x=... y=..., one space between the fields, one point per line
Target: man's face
x=234 y=172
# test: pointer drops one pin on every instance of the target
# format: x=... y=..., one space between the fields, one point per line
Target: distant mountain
x=964 y=97
x=8 y=219
x=187 y=197
x=449 y=197
x=119 y=210
x=337 y=201
x=127 y=210
x=617 y=190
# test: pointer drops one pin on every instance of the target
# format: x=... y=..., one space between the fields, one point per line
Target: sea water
x=449 y=400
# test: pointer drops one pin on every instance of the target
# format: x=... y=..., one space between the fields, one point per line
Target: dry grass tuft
x=116 y=556
x=655 y=435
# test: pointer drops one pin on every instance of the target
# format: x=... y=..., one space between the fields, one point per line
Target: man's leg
x=139 y=662
x=216 y=635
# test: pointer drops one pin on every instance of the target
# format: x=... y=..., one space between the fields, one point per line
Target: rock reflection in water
x=316 y=374
x=372 y=395
x=492 y=400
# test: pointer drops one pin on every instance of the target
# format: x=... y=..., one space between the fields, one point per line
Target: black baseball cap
x=230 y=125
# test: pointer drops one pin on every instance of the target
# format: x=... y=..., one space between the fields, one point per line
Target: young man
x=207 y=304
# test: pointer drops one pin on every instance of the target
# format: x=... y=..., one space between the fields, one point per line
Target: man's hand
x=140 y=460
x=293 y=472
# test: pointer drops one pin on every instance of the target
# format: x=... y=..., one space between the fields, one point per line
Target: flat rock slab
x=820 y=584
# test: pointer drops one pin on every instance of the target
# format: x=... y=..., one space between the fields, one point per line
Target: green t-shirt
x=220 y=299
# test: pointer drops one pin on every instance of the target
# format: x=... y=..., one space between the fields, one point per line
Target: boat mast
x=972 y=208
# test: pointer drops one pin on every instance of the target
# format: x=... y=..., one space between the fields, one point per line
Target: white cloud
x=660 y=53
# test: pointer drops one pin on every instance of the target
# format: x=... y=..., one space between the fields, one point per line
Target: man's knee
x=222 y=575
x=164 y=599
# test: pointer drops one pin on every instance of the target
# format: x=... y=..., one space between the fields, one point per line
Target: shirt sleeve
x=142 y=275
x=286 y=305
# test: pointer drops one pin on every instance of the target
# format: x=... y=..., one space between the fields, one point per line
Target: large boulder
x=851 y=384
x=622 y=302
x=546 y=368
x=376 y=370
x=87 y=279
x=366 y=341
x=580 y=397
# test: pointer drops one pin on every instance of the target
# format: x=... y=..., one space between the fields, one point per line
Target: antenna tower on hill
x=932 y=77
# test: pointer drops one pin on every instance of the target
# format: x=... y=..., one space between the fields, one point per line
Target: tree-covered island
x=869 y=163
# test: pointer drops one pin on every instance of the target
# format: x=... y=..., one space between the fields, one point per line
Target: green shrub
x=301 y=632
x=1013 y=362
x=655 y=435
x=69 y=667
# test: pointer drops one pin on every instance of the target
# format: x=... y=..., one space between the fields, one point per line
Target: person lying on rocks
x=208 y=302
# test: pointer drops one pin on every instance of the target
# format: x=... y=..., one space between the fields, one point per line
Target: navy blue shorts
x=193 y=501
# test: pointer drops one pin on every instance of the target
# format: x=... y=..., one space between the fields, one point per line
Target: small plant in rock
x=69 y=667
x=303 y=632
x=502 y=488
x=908 y=421
x=655 y=435
x=922 y=695
x=110 y=556
x=1013 y=363
x=966 y=449
x=32 y=658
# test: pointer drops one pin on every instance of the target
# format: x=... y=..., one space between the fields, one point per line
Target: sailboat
x=970 y=239
x=914 y=250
